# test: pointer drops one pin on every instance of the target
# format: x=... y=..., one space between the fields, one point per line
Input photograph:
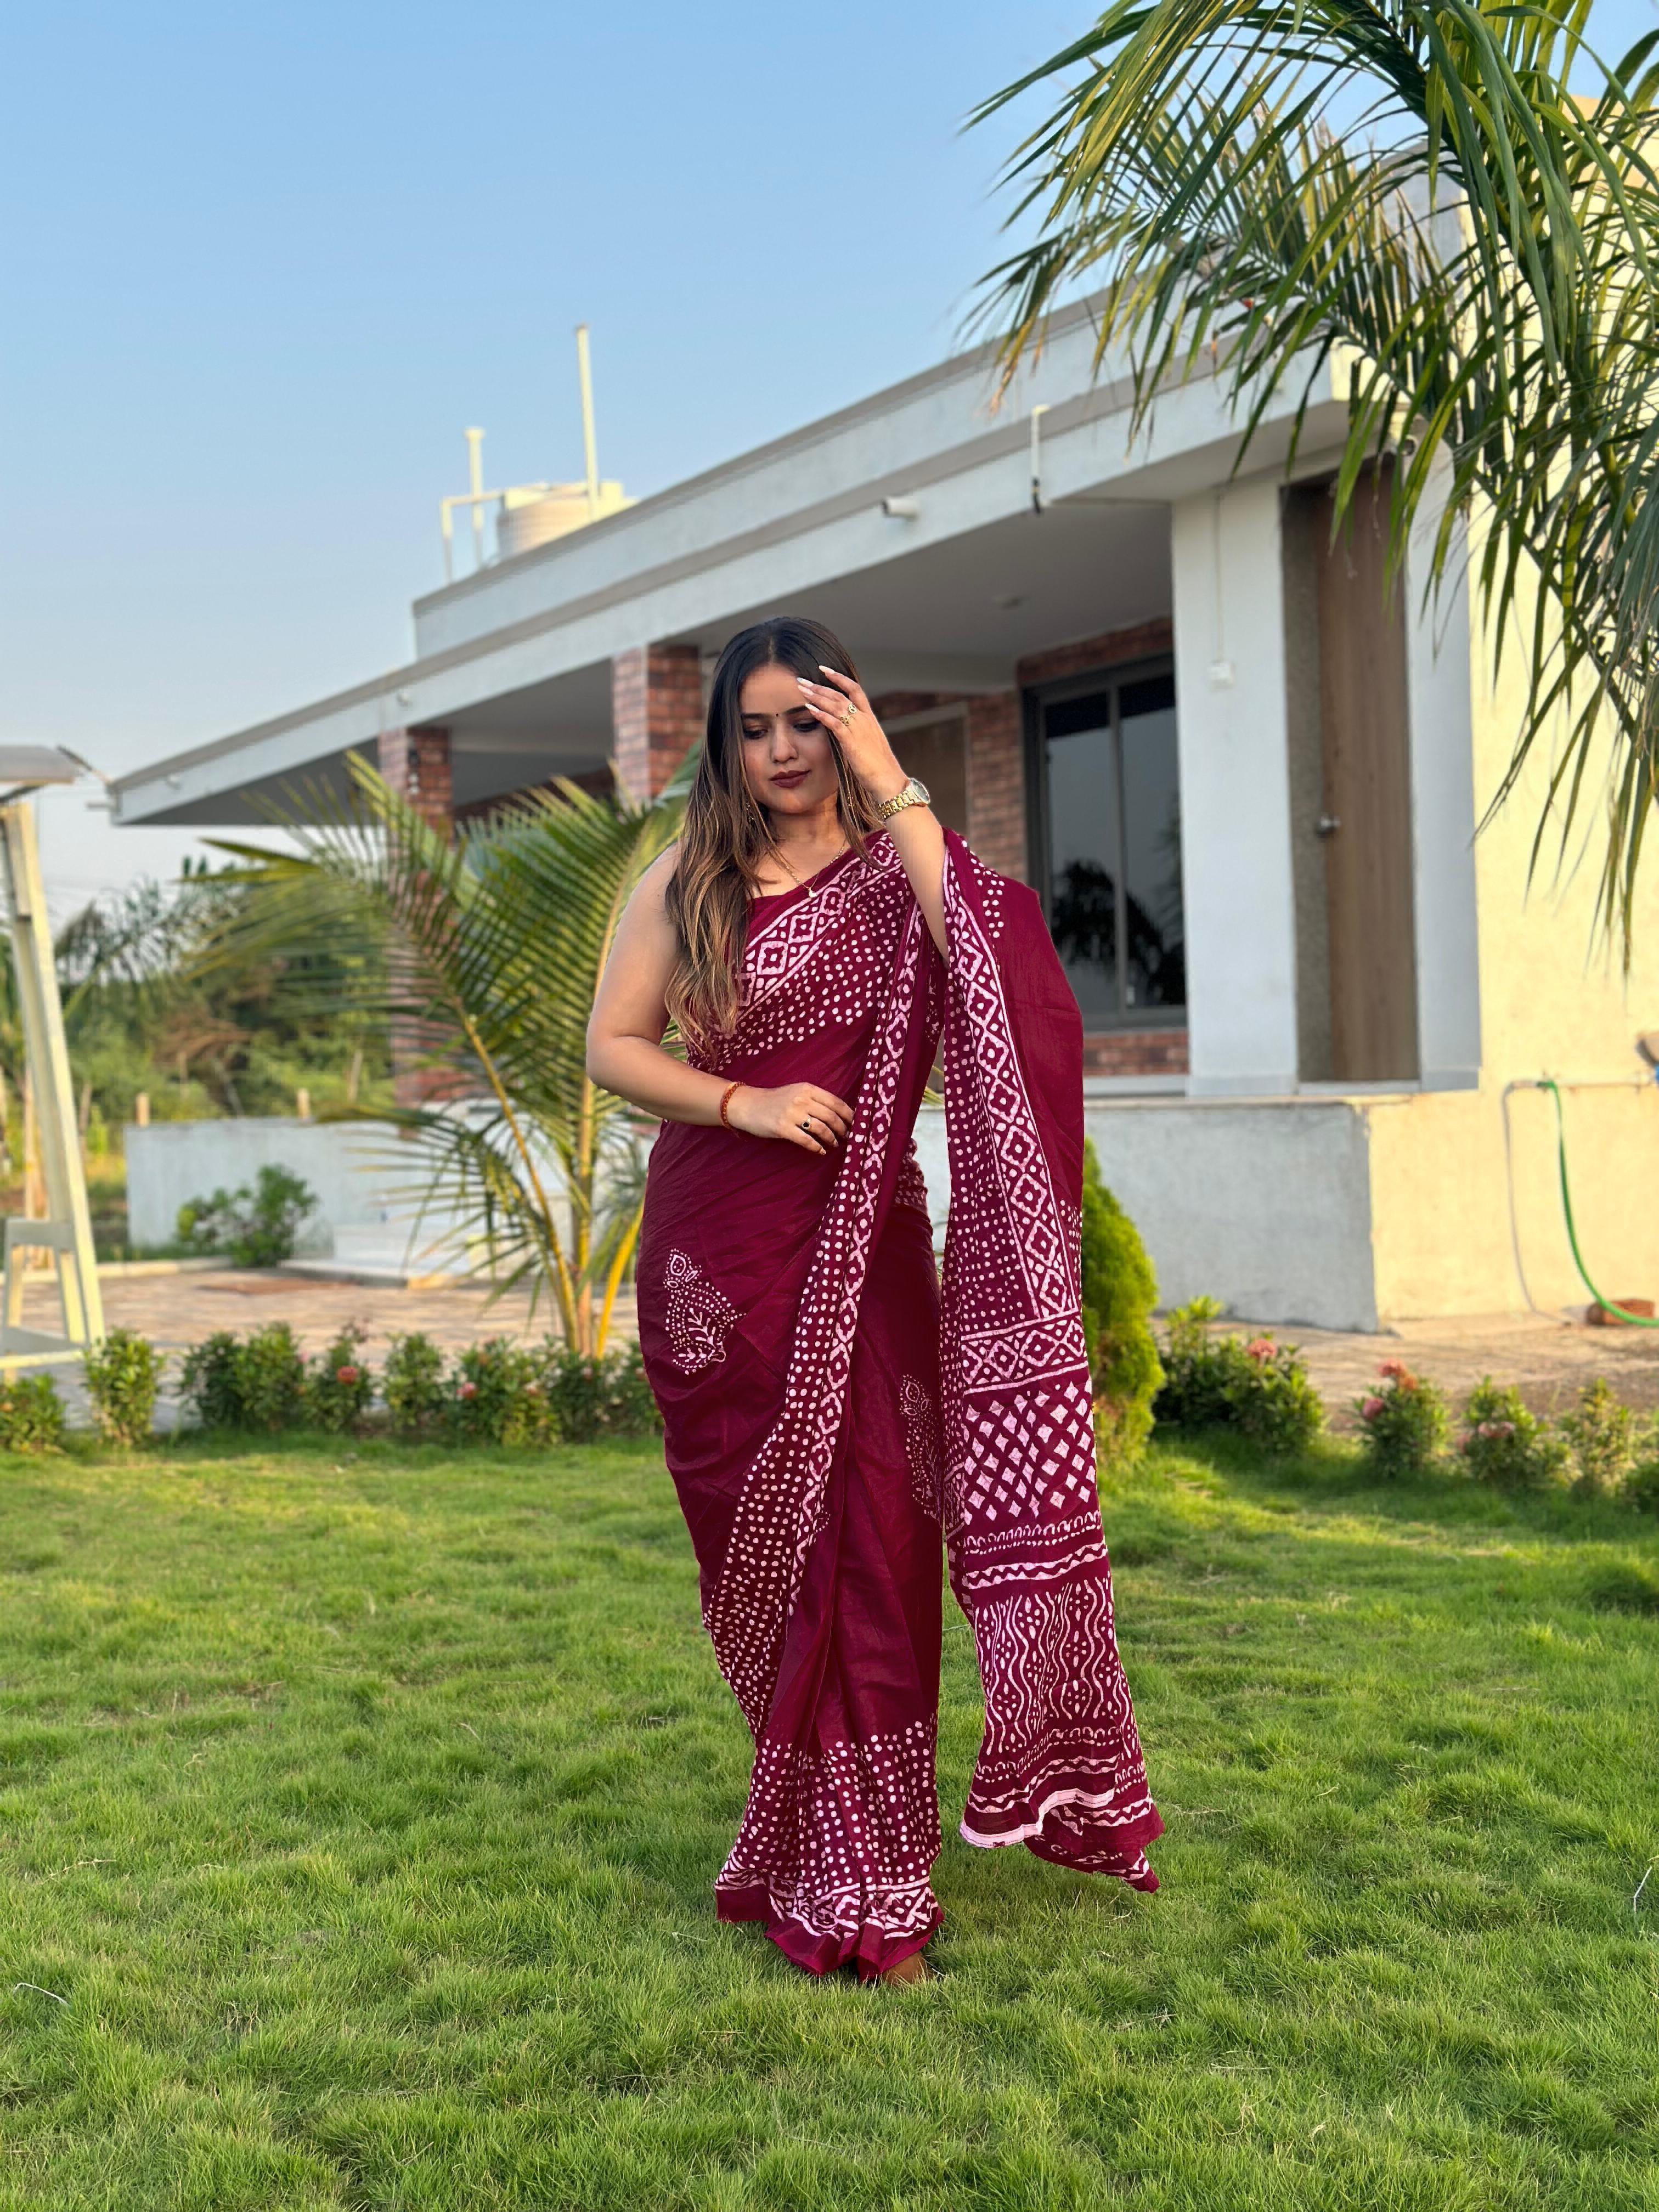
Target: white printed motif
x=699 y=1316
x=921 y=1446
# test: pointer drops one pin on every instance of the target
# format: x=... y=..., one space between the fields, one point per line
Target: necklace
x=807 y=884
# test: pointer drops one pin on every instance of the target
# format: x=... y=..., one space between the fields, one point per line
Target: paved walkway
x=1550 y=1360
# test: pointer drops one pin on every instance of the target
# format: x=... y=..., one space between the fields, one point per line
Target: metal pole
x=475 y=475
x=589 y=443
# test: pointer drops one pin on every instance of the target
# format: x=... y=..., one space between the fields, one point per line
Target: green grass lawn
x=361 y=1808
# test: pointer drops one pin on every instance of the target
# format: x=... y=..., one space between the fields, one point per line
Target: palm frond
x=1481 y=248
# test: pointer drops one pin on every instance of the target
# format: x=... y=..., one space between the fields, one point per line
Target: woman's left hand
x=841 y=705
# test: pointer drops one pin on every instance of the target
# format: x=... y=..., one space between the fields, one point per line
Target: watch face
x=924 y=797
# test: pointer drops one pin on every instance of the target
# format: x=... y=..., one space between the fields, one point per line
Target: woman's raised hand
x=800 y=1113
x=844 y=710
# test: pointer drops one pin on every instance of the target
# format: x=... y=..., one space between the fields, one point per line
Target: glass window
x=1111 y=820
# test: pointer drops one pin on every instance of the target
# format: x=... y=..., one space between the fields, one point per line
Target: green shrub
x=339 y=1385
x=497 y=1396
x=1403 y=1422
x=1259 y=1387
x=1119 y=1292
x=412 y=1382
x=123 y=1375
x=588 y=1397
x=207 y=1381
x=1601 y=1436
x=1641 y=1487
x=270 y=1375
x=1504 y=1444
x=253 y=1227
x=31 y=1413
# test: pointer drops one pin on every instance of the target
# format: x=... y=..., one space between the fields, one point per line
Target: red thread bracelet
x=725 y=1100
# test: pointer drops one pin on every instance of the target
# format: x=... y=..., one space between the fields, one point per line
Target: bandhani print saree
x=832 y=1408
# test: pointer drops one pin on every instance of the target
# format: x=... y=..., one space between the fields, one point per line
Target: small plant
x=1405 y=1422
x=1259 y=1387
x=270 y=1375
x=31 y=1414
x=1641 y=1487
x=588 y=1397
x=1602 y=1436
x=123 y=1375
x=254 y=1226
x=497 y=1396
x=338 y=1383
x=1504 y=1444
x=413 y=1384
x=207 y=1381
x=1119 y=1292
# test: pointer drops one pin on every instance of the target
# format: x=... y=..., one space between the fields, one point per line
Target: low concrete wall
x=1266 y=1206
x=351 y=1165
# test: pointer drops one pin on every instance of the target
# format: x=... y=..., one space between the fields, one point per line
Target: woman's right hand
x=801 y=1114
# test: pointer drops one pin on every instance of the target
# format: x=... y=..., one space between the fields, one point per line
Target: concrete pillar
x=416 y=764
x=656 y=712
x=1235 y=790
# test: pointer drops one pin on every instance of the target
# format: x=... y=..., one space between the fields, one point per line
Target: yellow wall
x=1554 y=1000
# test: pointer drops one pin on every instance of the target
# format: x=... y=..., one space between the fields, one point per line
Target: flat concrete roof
x=514 y=661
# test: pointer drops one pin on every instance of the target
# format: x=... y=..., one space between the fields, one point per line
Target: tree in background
x=1407 y=187
x=486 y=951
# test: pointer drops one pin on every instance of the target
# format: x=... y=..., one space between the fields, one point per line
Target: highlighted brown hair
x=726 y=836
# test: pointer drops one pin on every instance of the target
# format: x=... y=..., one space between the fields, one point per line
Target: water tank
x=530 y=519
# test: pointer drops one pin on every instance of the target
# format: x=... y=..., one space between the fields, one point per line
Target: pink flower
x=1395 y=1370
x=469 y=1390
x=1260 y=1348
x=1370 y=1409
x=347 y=1374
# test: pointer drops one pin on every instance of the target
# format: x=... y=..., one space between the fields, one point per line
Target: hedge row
x=494 y=1392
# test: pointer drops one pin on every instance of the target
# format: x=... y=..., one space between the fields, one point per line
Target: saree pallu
x=832 y=1410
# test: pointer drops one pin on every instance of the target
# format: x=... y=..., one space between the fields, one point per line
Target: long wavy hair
x=726 y=836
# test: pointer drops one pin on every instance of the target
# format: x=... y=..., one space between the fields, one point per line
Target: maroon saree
x=831 y=1408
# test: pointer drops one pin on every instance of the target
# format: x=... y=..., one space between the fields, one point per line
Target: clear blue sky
x=262 y=263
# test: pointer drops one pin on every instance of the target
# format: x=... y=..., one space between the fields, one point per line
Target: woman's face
x=788 y=759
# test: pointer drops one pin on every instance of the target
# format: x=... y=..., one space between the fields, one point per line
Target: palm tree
x=1407 y=188
x=485 y=953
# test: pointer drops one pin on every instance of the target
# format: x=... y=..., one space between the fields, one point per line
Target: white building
x=1245 y=783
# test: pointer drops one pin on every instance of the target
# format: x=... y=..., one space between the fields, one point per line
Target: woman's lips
x=789 y=778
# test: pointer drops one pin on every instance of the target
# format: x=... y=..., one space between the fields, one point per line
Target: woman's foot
x=916 y=1968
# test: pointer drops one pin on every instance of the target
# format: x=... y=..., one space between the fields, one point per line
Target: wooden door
x=1367 y=824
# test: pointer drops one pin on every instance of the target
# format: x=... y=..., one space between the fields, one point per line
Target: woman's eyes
x=803 y=727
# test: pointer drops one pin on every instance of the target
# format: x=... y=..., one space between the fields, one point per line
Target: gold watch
x=914 y=793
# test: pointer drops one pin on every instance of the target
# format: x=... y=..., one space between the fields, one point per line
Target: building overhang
x=947 y=595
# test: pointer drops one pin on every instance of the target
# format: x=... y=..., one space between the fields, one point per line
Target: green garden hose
x=1636 y=1321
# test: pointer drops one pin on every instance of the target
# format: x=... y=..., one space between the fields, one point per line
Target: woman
x=826 y=1408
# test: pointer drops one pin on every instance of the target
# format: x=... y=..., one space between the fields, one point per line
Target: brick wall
x=996 y=783
x=416 y=763
x=656 y=712
x=1135 y=1052
x=1110 y=650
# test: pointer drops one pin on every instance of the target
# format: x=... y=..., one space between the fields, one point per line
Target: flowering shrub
x=124 y=1374
x=497 y=1396
x=588 y=1397
x=1258 y=1387
x=1602 y=1437
x=413 y=1384
x=1505 y=1444
x=207 y=1381
x=339 y=1385
x=1403 y=1422
x=31 y=1414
